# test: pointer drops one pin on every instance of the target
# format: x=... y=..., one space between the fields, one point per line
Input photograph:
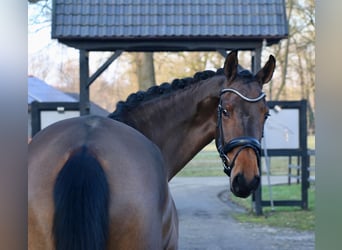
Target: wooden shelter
x=165 y=25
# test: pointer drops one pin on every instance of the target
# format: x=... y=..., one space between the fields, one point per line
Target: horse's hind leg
x=37 y=239
x=135 y=232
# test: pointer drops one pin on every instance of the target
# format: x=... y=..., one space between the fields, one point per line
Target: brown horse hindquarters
x=140 y=206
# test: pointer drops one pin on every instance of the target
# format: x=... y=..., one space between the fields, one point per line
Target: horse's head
x=242 y=113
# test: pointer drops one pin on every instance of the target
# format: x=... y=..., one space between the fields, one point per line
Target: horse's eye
x=267 y=115
x=225 y=112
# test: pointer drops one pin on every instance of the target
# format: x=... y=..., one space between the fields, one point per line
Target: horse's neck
x=182 y=123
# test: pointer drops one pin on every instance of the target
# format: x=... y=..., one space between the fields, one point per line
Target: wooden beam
x=163 y=45
x=222 y=52
x=98 y=72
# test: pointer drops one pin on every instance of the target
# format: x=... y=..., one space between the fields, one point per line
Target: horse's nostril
x=238 y=185
x=241 y=188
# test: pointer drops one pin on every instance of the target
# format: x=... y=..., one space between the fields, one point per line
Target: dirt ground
x=206 y=222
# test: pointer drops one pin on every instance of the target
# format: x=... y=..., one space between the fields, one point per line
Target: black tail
x=81 y=197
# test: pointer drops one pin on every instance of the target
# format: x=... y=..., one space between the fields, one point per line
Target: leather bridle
x=243 y=142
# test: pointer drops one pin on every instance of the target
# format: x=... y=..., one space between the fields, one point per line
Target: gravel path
x=206 y=222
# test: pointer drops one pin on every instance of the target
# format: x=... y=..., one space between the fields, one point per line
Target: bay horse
x=102 y=183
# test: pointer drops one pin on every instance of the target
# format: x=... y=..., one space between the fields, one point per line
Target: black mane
x=244 y=72
x=141 y=96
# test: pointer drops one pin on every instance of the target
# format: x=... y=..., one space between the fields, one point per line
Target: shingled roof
x=40 y=91
x=79 y=23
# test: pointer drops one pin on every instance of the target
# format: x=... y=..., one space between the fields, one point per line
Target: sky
x=41 y=46
x=38 y=40
x=38 y=35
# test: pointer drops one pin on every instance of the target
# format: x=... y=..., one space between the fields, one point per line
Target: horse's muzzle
x=241 y=188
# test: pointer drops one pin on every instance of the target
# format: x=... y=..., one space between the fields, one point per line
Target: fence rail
x=208 y=163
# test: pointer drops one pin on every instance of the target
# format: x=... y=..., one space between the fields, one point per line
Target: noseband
x=242 y=142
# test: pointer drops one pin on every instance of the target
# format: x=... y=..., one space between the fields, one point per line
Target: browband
x=262 y=95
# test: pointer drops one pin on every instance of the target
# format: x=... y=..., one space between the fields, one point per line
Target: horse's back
x=112 y=142
x=134 y=169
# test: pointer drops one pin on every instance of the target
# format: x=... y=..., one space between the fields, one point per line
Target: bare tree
x=285 y=55
x=42 y=17
x=296 y=57
x=145 y=70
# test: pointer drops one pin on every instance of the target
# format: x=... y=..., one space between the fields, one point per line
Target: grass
x=292 y=217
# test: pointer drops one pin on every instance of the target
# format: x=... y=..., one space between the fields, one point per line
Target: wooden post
x=256 y=60
x=305 y=156
x=256 y=197
x=84 y=88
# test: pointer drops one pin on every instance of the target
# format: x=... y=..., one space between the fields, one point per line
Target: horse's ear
x=230 y=65
x=265 y=74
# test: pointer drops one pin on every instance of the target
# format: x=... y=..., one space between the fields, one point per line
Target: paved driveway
x=206 y=222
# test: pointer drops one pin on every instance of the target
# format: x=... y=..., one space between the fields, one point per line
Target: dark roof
x=40 y=91
x=134 y=20
x=94 y=108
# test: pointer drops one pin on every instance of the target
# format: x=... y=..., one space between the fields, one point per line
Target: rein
x=243 y=142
